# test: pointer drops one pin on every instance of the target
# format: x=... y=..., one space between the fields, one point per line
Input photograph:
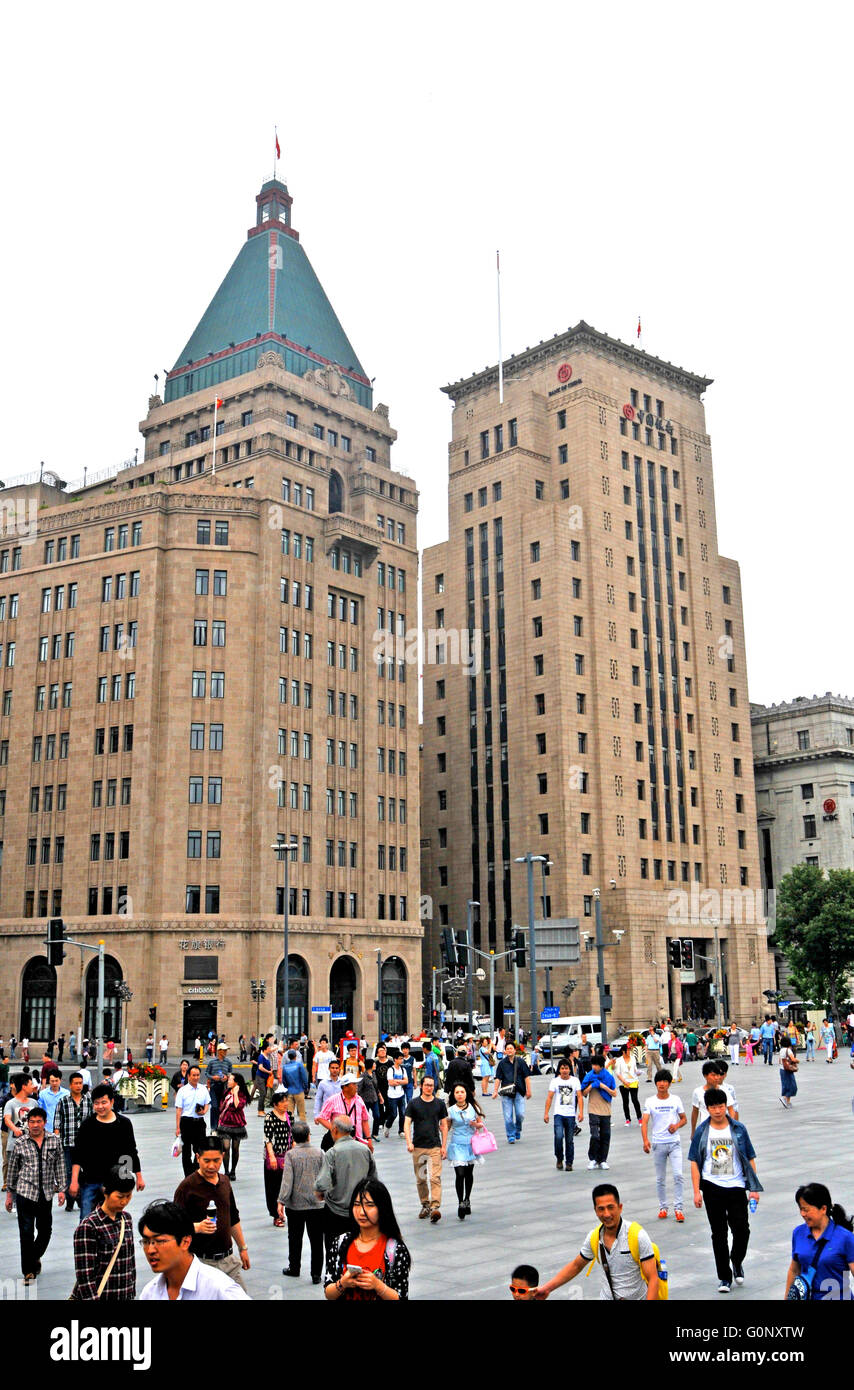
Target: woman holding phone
x=369 y=1261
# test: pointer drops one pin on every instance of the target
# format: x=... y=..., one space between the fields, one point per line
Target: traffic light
x=676 y=954
x=519 y=948
x=449 y=948
x=55 y=941
x=687 y=954
x=152 y=1013
x=462 y=955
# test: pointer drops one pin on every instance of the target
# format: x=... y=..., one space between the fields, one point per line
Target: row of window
x=346 y=859
x=648 y=439
x=342 y=656
x=391 y=529
x=386 y=759
x=197 y=791
x=217 y=685
x=197 y=737
x=385 y=714
x=49 y=747
x=295 y=692
x=110 y=845
x=391 y=576
x=200 y=632
x=345 y=703
x=306 y=592
x=12 y=605
x=293 y=493
x=395 y=809
x=498 y=439
x=36 y=856
x=112 y=787
x=396 y=907
x=345 y=608
x=114 y=685
x=391 y=857
x=299 y=642
x=385 y=669
x=295 y=544
x=203 y=532
x=45 y=794
x=213 y=844
x=289 y=795
x=51 y=647
x=342 y=753
x=51 y=694
x=220 y=582
x=121 y=640
x=111 y=536
x=482 y=494
x=108 y=740
x=109 y=589
x=345 y=562
x=59 y=547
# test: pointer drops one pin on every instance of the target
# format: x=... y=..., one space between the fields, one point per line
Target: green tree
x=815 y=928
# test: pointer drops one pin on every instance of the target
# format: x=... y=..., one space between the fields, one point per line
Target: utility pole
x=470 y=973
x=284 y=849
x=531 y=860
x=600 y=967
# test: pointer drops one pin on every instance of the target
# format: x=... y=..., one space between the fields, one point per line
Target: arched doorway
x=342 y=994
x=394 y=996
x=297 y=1021
x=38 y=1000
x=112 y=1002
x=336 y=492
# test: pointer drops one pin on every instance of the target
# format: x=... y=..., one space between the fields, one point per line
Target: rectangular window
x=202 y=581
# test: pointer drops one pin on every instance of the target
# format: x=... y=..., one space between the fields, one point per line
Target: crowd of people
x=71 y=1142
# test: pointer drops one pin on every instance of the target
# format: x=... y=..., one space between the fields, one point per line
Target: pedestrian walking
x=104 y=1140
x=213 y=1236
x=104 y=1261
x=652 y=1048
x=828 y=1039
x=22 y=1098
x=486 y=1067
x=767 y=1033
x=459 y=1072
x=149 y=1048
x=733 y=1043
x=60 y=1047
x=822 y=1248
x=217 y=1069
x=714 y=1072
x=513 y=1084
x=465 y=1118
x=626 y=1073
x=426 y=1130
x=36 y=1174
x=623 y=1251
x=299 y=1205
x=50 y=1096
x=264 y=1079
x=810 y=1041
x=565 y=1091
x=69 y=1115
x=367 y=1091
x=323 y=1057
x=25 y=1049
x=348 y=1103
x=723 y=1170
x=278 y=1138
x=163 y=1049
x=232 y=1122
x=748 y=1051
x=788 y=1073
x=664 y=1115
x=600 y=1087
x=396 y=1093
x=192 y=1103
x=325 y=1091
x=407 y=1061
x=345 y=1165
x=372 y=1243
x=181 y=1076
x=166 y=1232
x=381 y=1066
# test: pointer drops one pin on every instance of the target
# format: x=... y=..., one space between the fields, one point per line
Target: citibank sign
x=645 y=418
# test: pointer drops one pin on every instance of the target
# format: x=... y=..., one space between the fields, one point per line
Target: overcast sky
x=687 y=163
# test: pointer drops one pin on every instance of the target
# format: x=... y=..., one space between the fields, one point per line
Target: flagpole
x=276 y=154
x=213 y=465
x=500 y=358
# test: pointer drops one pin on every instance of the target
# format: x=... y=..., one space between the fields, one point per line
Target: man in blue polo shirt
x=766 y=1033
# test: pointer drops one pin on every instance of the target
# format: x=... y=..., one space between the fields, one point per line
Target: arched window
x=394 y=996
x=297 y=1022
x=38 y=1000
x=342 y=992
x=112 y=1002
x=336 y=492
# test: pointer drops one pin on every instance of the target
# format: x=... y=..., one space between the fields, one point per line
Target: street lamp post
x=600 y=967
x=284 y=850
x=470 y=973
x=531 y=860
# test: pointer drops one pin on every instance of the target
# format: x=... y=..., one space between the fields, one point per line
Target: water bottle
x=662 y=1270
x=210 y=1214
x=752 y=1205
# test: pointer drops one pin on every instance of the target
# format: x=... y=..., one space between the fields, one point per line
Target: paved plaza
x=524 y=1210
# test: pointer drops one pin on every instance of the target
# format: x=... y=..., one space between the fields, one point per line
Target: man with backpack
x=630 y=1263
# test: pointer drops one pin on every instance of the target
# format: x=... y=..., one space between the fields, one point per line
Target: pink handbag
x=483 y=1142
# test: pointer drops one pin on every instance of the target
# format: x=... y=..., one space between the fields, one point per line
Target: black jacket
x=459 y=1073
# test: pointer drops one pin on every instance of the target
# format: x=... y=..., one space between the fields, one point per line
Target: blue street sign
x=321 y=1008
x=338 y=1016
x=552 y=1011
x=509 y=1011
x=783 y=1003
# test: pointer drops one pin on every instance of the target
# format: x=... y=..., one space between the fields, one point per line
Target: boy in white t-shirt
x=320 y=1066
x=663 y=1117
x=714 y=1072
x=565 y=1090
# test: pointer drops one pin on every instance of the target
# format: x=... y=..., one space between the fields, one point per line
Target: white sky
x=684 y=162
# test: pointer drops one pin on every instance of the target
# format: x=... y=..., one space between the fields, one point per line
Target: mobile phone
x=199 y=1108
x=354 y=1269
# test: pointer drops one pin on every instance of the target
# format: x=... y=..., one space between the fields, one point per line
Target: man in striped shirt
x=107 y=1232
x=71 y=1111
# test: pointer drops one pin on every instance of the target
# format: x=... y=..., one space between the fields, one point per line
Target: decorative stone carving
x=381 y=410
x=331 y=380
x=154 y=402
x=271 y=358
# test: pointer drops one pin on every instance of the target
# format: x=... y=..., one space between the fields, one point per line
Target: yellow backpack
x=634 y=1250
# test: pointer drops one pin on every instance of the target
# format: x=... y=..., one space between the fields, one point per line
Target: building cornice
x=583 y=335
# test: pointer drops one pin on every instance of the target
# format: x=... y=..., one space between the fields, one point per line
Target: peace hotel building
x=188 y=673
x=608 y=725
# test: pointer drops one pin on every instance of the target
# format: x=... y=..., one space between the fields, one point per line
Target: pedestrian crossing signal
x=55 y=941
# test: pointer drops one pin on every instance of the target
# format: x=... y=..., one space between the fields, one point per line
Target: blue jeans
x=768 y=1051
x=89 y=1193
x=513 y=1108
x=565 y=1136
x=396 y=1106
x=810 y=1048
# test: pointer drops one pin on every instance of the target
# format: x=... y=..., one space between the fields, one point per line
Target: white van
x=566 y=1032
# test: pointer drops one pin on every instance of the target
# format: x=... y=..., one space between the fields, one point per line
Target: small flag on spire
x=639 y=326
x=278 y=149
x=218 y=403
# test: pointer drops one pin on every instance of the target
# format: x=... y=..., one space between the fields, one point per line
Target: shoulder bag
x=510 y=1088
x=801 y=1289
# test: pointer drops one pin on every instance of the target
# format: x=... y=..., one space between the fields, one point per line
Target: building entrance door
x=342 y=988
x=199 y=1019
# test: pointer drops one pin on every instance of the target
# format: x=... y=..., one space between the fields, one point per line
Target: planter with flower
x=146 y=1084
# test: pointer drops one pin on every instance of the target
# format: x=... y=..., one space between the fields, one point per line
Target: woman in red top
x=369 y=1261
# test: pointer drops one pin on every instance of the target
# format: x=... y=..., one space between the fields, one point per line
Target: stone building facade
x=189 y=673
x=587 y=698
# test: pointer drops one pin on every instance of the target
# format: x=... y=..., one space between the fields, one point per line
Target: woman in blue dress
x=487 y=1064
x=465 y=1117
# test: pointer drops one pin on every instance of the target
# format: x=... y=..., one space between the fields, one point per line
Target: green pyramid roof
x=270 y=298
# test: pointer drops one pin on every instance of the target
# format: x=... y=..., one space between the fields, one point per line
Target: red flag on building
x=278 y=150
x=219 y=402
x=639 y=326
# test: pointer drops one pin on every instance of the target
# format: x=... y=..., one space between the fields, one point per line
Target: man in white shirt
x=192 y=1102
x=163 y=1047
x=627 y=1273
x=166 y=1230
x=714 y=1072
x=664 y=1115
x=320 y=1066
x=565 y=1091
